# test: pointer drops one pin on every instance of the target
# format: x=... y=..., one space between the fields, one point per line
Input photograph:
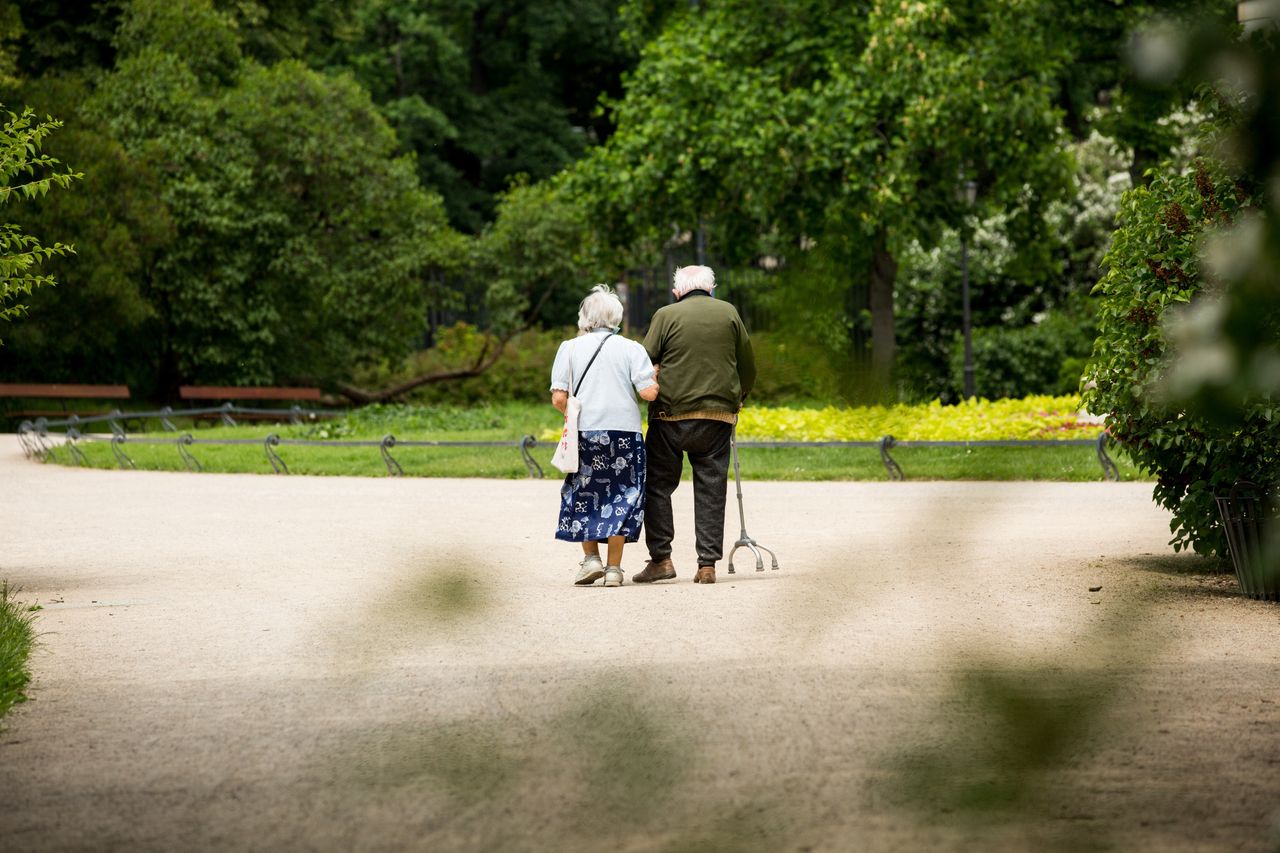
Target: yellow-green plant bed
x=974 y=420
x=1040 y=418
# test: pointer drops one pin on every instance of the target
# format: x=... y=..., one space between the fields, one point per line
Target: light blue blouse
x=608 y=393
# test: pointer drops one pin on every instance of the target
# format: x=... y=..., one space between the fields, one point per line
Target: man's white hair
x=602 y=309
x=693 y=278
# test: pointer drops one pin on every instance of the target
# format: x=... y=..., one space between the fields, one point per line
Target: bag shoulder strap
x=591 y=362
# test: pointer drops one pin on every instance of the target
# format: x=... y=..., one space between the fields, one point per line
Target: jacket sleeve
x=653 y=340
x=746 y=361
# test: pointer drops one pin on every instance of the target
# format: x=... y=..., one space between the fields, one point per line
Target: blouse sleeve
x=641 y=368
x=560 y=368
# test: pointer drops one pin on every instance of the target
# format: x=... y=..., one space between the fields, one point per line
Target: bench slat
x=53 y=414
x=217 y=392
x=69 y=392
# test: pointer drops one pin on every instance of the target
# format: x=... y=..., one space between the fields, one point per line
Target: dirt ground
x=238 y=662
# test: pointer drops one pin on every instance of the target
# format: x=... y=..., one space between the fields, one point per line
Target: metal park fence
x=39 y=440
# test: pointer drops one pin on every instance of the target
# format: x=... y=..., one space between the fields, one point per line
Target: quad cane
x=745 y=541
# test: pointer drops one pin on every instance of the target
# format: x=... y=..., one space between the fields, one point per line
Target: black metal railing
x=37 y=439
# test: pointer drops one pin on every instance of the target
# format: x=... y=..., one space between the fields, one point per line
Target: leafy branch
x=21 y=139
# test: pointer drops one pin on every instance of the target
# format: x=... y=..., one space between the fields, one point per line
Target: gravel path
x=239 y=662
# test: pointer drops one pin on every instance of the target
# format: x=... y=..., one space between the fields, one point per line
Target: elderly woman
x=604 y=501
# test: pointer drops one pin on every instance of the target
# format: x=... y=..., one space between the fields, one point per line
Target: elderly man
x=701 y=348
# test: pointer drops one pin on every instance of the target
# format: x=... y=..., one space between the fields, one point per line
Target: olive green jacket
x=707 y=365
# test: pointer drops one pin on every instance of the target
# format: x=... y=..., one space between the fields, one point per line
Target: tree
x=57 y=36
x=25 y=174
x=845 y=129
x=1032 y=316
x=484 y=90
x=303 y=243
x=826 y=122
x=535 y=261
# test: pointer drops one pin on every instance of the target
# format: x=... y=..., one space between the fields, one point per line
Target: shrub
x=789 y=370
x=1047 y=357
x=1154 y=270
x=522 y=374
x=793 y=369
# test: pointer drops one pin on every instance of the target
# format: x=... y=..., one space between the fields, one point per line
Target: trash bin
x=1249 y=516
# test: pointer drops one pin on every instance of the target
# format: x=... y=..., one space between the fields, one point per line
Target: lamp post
x=969 y=194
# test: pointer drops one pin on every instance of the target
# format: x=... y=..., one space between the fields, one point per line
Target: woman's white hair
x=693 y=278
x=601 y=309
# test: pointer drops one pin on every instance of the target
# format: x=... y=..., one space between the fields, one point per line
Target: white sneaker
x=613 y=575
x=590 y=570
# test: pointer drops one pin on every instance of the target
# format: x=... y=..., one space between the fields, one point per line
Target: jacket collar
x=693 y=293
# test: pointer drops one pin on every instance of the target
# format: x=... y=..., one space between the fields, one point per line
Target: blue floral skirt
x=606 y=497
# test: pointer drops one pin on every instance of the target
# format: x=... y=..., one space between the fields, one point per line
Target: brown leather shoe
x=706 y=574
x=655 y=570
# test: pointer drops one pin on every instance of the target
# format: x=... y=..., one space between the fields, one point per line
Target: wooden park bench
x=62 y=393
x=230 y=394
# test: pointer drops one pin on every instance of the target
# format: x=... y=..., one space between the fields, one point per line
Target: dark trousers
x=707 y=445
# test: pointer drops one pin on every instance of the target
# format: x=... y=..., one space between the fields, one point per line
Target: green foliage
x=287 y=238
x=1227 y=362
x=794 y=369
x=522 y=373
x=475 y=419
x=202 y=36
x=484 y=90
x=303 y=244
x=26 y=174
x=16 y=639
x=787 y=129
x=537 y=259
x=1034 y=303
x=119 y=228
x=1155 y=270
x=54 y=36
x=11 y=33
x=789 y=370
x=1048 y=356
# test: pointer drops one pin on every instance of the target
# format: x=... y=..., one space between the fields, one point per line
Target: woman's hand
x=560 y=399
x=650 y=394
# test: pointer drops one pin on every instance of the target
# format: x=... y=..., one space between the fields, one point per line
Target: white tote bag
x=566 y=458
x=566 y=455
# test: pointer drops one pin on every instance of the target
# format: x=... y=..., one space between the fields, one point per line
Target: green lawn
x=1071 y=464
x=509 y=422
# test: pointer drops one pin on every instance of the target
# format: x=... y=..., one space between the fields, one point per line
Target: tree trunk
x=884 y=272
